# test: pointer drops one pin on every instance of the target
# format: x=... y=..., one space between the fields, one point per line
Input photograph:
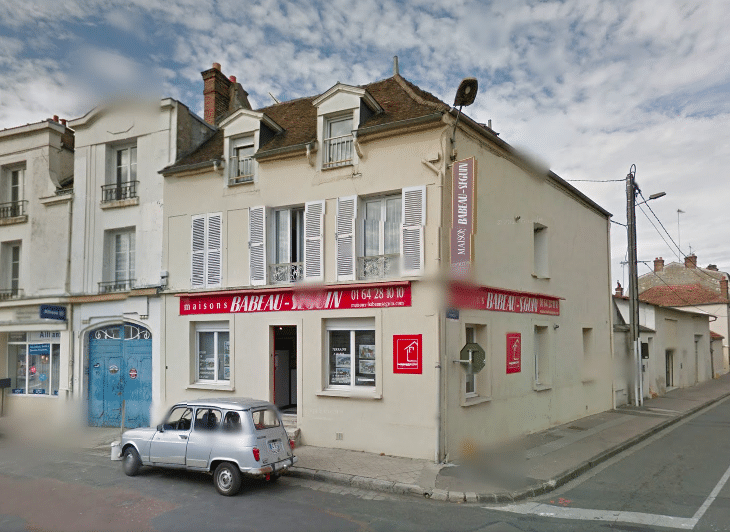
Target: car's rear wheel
x=131 y=461
x=227 y=479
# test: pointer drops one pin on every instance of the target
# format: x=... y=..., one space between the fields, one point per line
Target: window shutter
x=213 y=262
x=313 y=227
x=414 y=220
x=257 y=245
x=346 y=256
x=197 y=277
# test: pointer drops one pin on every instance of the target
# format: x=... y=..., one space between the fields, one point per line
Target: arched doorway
x=120 y=374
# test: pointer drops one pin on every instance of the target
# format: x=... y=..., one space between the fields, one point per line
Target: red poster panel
x=407 y=353
x=514 y=352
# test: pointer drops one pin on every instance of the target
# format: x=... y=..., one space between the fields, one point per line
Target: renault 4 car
x=225 y=437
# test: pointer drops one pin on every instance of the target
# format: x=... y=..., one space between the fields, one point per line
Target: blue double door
x=120 y=376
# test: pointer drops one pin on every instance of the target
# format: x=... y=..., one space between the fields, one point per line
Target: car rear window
x=265 y=419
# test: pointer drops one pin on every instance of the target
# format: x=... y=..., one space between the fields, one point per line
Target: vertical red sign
x=407 y=353
x=463 y=215
x=514 y=352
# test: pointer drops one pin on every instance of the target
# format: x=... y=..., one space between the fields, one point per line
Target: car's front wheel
x=131 y=461
x=227 y=479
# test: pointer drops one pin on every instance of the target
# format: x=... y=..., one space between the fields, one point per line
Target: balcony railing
x=378 y=267
x=285 y=273
x=121 y=285
x=241 y=170
x=12 y=209
x=11 y=293
x=337 y=151
x=119 y=191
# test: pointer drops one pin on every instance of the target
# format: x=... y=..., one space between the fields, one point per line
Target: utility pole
x=631 y=191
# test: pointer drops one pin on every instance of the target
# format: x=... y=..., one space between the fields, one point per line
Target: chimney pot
x=63 y=121
x=216 y=93
x=619 y=289
x=658 y=264
x=690 y=261
x=232 y=78
x=55 y=118
x=712 y=267
x=217 y=66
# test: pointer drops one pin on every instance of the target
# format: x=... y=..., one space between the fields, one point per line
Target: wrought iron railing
x=378 y=267
x=120 y=285
x=337 y=151
x=11 y=293
x=12 y=209
x=241 y=170
x=119 y=191
x=289 y=272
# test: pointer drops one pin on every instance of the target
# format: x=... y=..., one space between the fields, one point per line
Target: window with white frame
x=34 y=363
x=382 y=222
x=540 y=251
x=119 y=263
x=350 y=354
x=287 y=264
x=541 y=341
x=11 y=193
x=10 y=254
x=338 y=141
x=213 y=353
x=206 y=255
x=122 y=183
x=242 y=164
x=476 y=385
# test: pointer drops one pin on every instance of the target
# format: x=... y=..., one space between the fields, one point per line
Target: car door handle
x=183 y=436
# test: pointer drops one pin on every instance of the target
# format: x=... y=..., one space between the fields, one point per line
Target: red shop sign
x=344 y=297
x=463 y=295
x=408 y=353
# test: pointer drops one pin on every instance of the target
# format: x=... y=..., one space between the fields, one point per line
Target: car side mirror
x=161 y=428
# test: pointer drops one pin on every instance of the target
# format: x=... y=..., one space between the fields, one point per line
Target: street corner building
x=396 y=278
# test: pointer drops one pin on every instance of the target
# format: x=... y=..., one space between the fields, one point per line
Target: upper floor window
x=119 y=274
x=206 y=250
x=540 y=245
x=10 y=257
x=11 y=193
x=241 y=165
x=288 y=260
x=381 y=237
x=122 y=183
x=337 y=142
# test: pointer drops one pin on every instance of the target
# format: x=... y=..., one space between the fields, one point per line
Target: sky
x=588 y=87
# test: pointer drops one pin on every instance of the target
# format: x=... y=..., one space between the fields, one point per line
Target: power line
x=594 y=180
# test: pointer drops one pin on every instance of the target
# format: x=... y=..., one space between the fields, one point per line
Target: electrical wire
x=594 y=180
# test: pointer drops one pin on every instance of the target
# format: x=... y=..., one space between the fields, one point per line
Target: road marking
x=712 y=496
x=558 y=512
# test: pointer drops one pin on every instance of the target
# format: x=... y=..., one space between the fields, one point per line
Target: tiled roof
x=716 y=336
x=400 y=100
x=681 y=296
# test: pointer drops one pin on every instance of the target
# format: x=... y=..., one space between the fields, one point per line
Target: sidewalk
x=546 y=460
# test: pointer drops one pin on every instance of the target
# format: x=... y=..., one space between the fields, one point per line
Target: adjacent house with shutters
x=395 y=281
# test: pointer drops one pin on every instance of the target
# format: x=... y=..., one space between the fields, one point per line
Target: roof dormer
x=244 y=133
x=340 y=112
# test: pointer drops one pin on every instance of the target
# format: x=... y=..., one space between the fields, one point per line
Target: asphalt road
x=664 y=481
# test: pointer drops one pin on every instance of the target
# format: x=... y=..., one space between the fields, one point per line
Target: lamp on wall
x=465 y=95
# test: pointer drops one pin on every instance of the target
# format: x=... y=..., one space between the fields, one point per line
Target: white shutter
x=313 y=227
x=213 y=260
x=197 y=276
x=414 y=220
x=346 y=256
x=257 y=245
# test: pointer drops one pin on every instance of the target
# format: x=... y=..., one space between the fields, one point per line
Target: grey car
x=225 y=437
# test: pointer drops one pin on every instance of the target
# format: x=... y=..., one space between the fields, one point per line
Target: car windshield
x=265 y=419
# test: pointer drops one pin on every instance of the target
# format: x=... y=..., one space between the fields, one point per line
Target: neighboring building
x=686 y=286
x=675 y=348
x=308 y=245
x=36 y=185
x=117 y=254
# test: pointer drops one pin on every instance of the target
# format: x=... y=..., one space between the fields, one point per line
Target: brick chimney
x=658 y=264
x=619 y=289
x=723 y=288
x=216 y=93
x=690 y=261
x=712 y=267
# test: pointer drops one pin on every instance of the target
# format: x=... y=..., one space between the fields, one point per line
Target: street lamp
x=632 y=189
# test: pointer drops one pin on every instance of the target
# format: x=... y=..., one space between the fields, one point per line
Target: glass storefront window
x=34 y=363
x=351 y=357
x=213 y=356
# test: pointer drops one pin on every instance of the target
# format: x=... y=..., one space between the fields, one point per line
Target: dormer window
x=241 y=163
x=338 y=142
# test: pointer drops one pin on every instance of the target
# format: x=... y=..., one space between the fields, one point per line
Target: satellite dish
x=467 y=92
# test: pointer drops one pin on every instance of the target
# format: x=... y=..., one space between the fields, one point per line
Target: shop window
x=351 y=354
x=213 y=361
x=34 y=362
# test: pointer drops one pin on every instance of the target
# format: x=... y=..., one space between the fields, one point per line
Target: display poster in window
x=408 y=353
x=206 y=366
x=227 y=360
x=364 y=366
x=340 y=358
x=514 y=352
